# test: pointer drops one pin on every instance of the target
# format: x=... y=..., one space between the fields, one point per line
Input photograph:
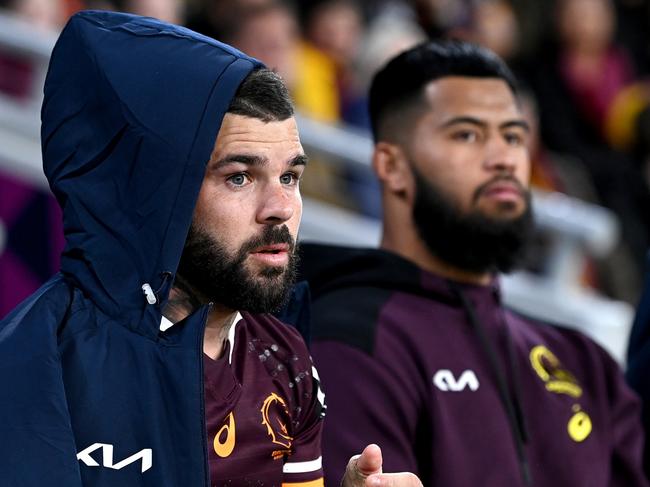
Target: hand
x=365 y=471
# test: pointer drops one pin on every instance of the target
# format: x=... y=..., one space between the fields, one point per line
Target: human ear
x=391 y=167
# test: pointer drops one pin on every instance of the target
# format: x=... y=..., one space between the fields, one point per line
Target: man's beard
x=225 y=279
x=471 y=241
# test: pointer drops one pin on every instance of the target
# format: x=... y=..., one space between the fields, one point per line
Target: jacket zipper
x=204 y=434
x=511 y=403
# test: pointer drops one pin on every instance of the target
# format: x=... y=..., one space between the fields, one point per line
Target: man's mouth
x=276 y=254
x=272 y=249
x=504 y=191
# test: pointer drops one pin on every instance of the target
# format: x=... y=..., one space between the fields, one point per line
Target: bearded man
x=130 y=369
x=416 y=350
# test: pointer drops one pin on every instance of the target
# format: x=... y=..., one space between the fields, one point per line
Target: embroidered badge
x=560 y=381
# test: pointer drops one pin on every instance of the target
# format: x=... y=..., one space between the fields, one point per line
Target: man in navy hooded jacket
x=149 y=359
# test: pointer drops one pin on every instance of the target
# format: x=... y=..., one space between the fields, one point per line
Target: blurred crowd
x=583 y=67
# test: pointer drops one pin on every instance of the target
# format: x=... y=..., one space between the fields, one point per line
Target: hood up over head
x=131 y=111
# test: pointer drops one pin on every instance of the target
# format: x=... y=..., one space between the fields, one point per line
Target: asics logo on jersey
x=146 y=456
x=224 y=447
x=445 y=381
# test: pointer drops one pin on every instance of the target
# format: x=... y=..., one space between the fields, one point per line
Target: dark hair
x=264 y=96
x=399 y=86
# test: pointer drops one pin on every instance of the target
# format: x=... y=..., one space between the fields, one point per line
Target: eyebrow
x=480 y=123
x=299 y=160
x=253 y=160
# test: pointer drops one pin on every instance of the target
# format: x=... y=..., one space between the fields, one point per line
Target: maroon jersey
x=263 y=408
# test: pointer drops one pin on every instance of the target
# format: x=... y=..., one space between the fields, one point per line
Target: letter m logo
x=445 y=381
x=145 y=455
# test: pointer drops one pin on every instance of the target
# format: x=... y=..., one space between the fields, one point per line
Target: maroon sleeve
x=304 y=466
x=367 y=402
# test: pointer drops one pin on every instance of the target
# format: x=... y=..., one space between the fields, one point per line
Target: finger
x=360 y=466
x=370 y=460
x=393 y=480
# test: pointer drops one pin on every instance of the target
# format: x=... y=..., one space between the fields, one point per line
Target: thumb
x=360 y=466
x=370 y=460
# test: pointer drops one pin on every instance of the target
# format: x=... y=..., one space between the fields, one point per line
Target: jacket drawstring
x=152 y=297
x=511 y=402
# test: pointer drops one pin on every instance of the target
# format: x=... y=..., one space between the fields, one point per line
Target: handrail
x=21 y=37
x=591 y=225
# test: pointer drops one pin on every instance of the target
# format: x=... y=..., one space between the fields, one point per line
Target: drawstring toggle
x=148 y=292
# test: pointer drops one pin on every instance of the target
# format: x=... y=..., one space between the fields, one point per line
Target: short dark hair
x=398 y=88
x=262 y=95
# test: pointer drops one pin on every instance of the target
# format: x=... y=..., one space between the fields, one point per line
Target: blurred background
x=583 y=66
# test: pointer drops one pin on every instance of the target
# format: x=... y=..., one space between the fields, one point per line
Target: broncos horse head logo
x=275 y=428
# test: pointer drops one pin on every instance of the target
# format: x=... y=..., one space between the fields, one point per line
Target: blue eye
x=237 y=179
x=288 y=178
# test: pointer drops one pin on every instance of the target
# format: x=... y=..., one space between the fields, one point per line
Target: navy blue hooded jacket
x=131 y=111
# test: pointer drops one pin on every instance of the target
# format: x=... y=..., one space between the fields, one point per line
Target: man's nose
x=277 y=206
x=500 y=156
